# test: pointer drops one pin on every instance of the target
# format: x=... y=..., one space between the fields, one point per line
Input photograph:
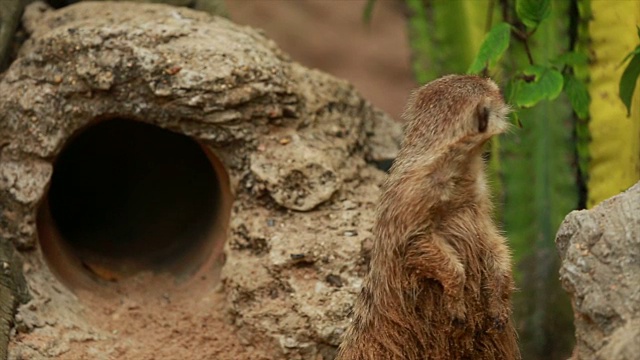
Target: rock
x=296 y=176
x=295 y=144
x=600 y=251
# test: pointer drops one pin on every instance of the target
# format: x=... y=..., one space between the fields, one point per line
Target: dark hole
x=57 y=4
x=130 y=196
x=384 y=164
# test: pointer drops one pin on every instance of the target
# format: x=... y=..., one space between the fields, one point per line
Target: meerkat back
x=440 y=280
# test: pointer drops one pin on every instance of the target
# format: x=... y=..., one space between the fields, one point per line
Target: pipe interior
x=126 y=196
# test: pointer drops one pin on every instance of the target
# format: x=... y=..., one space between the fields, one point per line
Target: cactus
x=615 y=137
x=539 y=190
x=445 y=35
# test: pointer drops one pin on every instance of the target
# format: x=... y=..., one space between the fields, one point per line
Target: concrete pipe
x=127 y=196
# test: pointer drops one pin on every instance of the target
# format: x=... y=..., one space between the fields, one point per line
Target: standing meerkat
x=440 y=280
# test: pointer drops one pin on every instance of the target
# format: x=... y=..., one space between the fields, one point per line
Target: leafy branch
x=536 y=82
x=630 y=77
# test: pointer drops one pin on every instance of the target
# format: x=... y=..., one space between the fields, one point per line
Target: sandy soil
x=143 y=317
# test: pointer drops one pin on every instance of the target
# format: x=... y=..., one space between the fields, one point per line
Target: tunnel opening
x=127 y=197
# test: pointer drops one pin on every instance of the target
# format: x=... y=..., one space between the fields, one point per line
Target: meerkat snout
x=452 y=108
x=492 y=115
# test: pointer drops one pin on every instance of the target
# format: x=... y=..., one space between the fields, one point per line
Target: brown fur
x=440 y=280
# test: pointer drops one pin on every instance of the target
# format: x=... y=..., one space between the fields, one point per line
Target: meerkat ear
x=482 y=114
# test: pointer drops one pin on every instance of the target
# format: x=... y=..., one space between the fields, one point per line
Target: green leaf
x=571 y=59
x=629 y=55
x=368 y=11
x=515 y=119
x=538 y=83
x=532 y=12
x=628 y=81
x=493 y=47
x=578 y=95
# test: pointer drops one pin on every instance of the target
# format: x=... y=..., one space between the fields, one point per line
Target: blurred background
x=330 y=35
x=562 y=65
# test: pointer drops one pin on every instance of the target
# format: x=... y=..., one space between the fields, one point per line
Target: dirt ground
x=135 y=321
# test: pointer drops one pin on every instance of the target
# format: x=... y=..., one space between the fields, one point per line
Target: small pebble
x=334 y=280
x=285 y=140
x=297 y=256
x=349 y=205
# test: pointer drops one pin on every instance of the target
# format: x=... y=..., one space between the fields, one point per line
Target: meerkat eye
x=482 y=113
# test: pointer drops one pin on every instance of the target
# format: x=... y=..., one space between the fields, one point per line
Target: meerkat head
x=453 y=108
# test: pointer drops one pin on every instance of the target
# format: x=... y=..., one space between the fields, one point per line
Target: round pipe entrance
x=126 y=197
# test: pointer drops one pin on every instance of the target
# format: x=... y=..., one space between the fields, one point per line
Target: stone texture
x=600 y=251
x=295 y=143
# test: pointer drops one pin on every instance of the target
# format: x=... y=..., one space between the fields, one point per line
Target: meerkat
x=440 y=280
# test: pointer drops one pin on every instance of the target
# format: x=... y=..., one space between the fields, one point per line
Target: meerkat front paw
x=496 y=297
x=498 y=316
x=429 y=256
